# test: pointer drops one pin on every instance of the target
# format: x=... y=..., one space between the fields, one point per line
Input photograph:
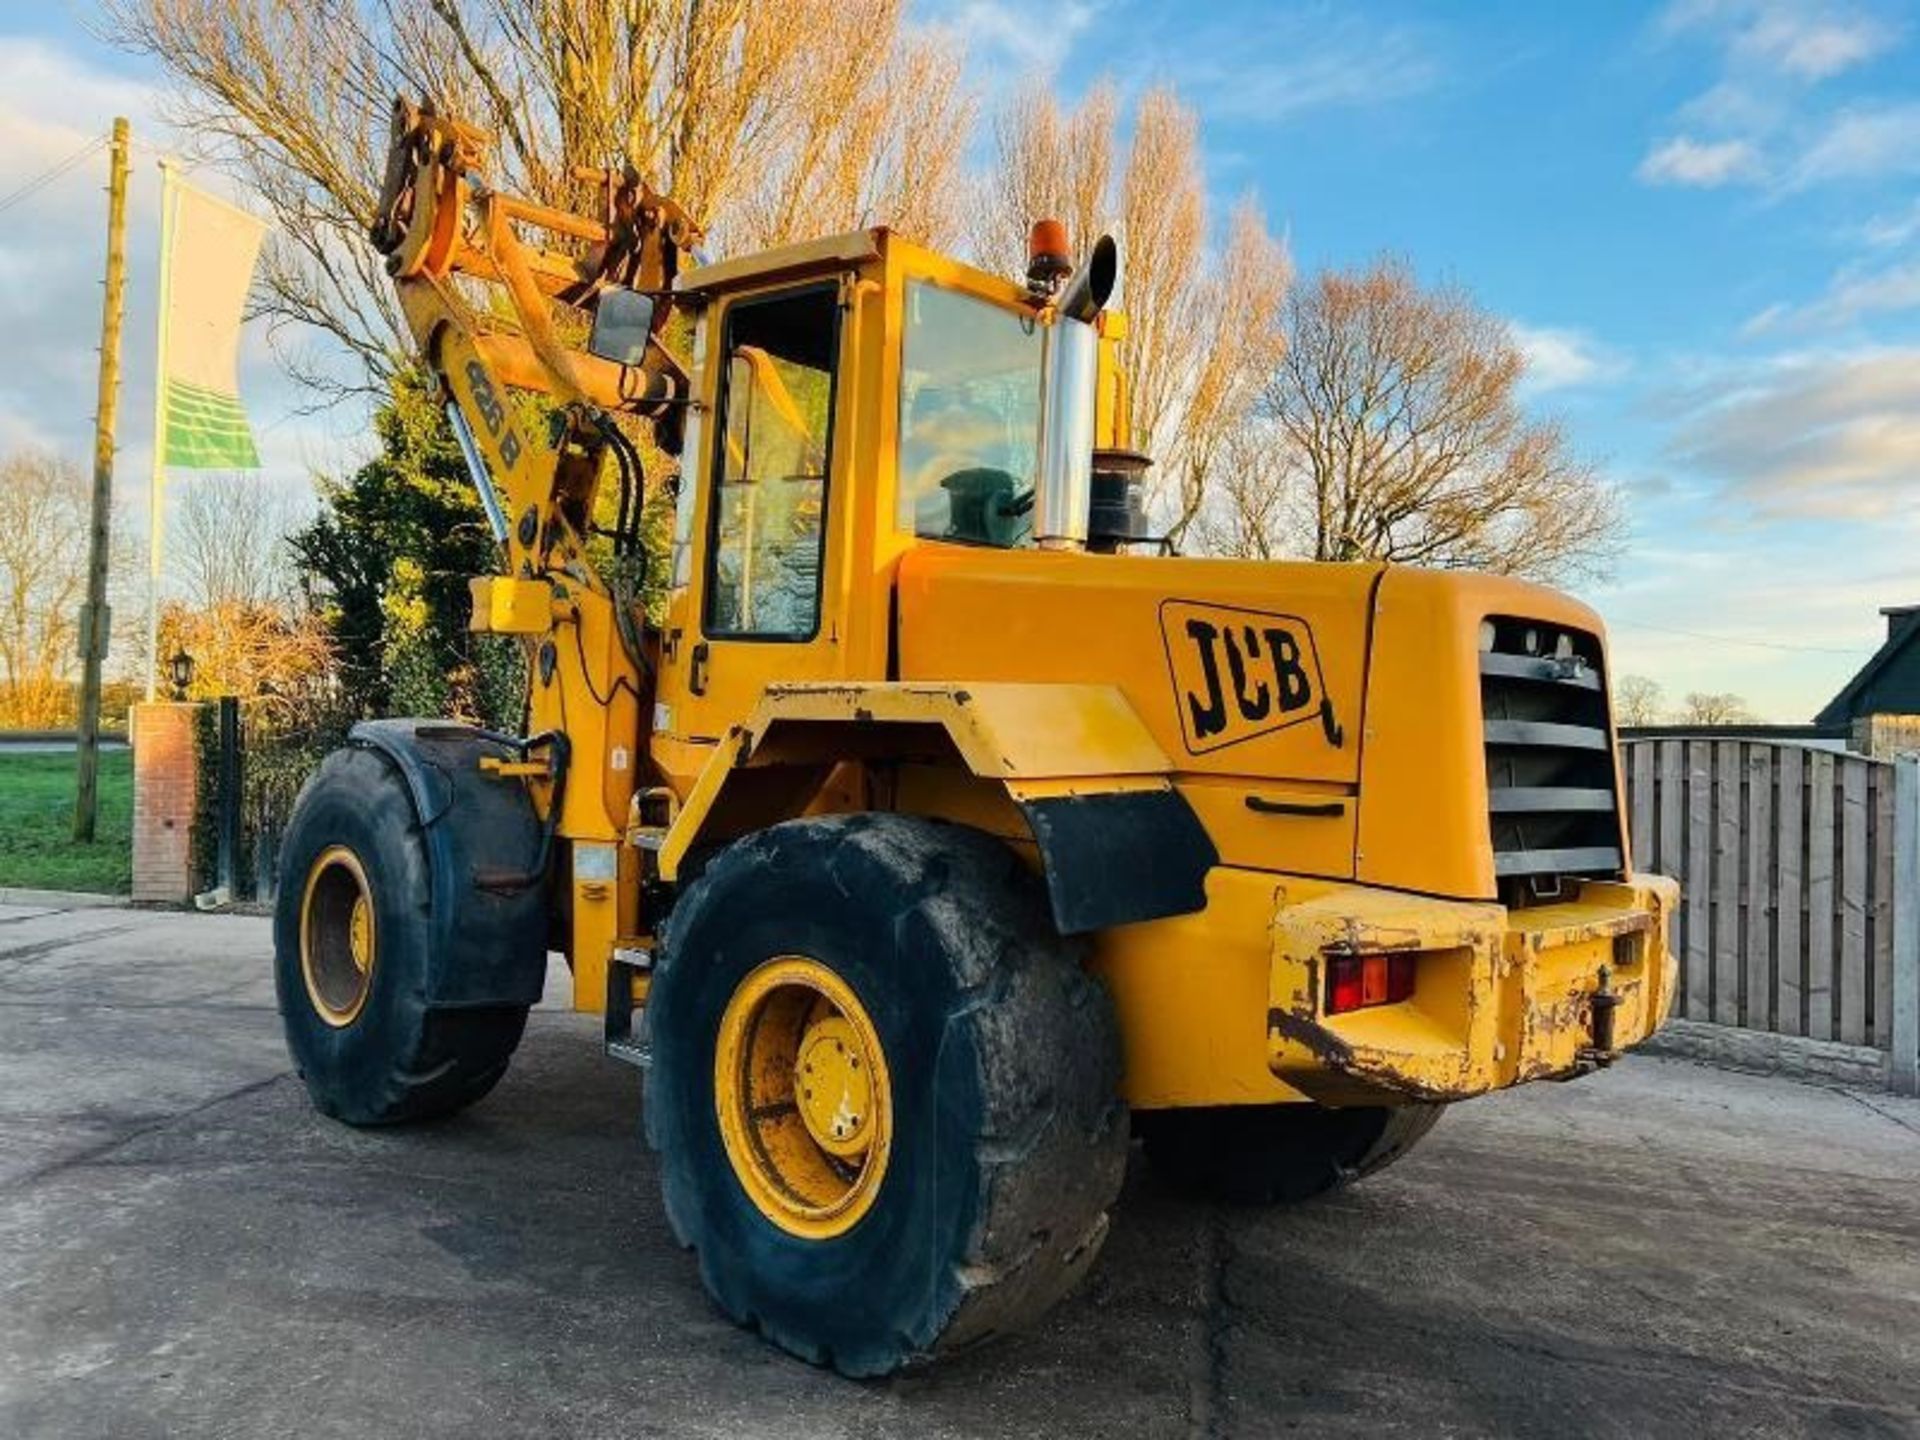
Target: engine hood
x=1237 y=667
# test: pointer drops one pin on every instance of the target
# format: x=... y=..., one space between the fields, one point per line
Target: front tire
x=1277 y=1154
x=352 y=933
x=953 y=1183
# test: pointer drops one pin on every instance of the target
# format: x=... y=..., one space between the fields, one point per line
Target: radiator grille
x=1550 y=773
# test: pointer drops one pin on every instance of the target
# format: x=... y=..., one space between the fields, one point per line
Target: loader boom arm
x=493 y=288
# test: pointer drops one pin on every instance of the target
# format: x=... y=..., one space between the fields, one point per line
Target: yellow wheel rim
x=337 y=936
x=805 y=1105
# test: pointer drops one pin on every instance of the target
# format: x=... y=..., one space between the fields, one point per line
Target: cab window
x=969 y=419
x=775 y=429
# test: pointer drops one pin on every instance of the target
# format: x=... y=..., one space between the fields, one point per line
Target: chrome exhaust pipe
x=1069 y=374
x=1087 y=293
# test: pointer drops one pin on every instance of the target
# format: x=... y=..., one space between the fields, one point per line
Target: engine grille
x=1550 y=772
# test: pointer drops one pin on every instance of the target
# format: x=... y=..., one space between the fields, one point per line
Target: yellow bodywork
x=1323 y=722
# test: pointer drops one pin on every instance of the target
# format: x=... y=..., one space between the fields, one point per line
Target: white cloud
x=1833 y=434
x=1853 y=295
x=1034 y=41
x=1811 y=45
x=1704 y=164
x=1736 y=107
x=53 y=241
x=50 y=104
x=1284 y=70
x=1561 y=358
x=1887 y=231
x=1761 y=120
x=1785 y=647
x=1806 y=39
x=1289 y=61
x=1863 y=142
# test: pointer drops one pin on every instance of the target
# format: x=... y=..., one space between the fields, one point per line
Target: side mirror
x=622 y=324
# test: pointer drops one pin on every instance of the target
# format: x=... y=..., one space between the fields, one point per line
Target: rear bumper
x=1501 y=997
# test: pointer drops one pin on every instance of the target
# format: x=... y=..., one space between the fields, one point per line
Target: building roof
x=1897 y=660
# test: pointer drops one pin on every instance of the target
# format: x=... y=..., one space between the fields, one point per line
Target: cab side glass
x=774 y=438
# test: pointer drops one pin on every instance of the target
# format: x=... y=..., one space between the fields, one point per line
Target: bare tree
x=43 y=580
x=1407 y=442
x=1049 y=162
x=1705 y=708
x=1638 y=701
x=45 y=503
x=713 y=100
x=871 y=142
x=1246 y=513
x=228 y=540
x=1202 y=322
x=275 y=652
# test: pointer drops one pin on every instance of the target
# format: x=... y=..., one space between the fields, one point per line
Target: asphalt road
x=187 y=1249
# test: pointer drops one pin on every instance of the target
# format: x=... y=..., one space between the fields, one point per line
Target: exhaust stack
x=1069 y=370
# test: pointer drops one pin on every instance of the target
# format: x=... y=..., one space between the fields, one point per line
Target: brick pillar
x=165 y=796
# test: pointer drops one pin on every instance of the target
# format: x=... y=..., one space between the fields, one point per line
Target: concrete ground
x=187 y=1249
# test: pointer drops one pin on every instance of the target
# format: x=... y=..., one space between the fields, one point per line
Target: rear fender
x=1117 y=843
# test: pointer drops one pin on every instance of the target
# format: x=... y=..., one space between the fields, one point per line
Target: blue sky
x=1701 y=217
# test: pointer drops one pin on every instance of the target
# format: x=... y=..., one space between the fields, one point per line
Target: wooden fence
x=1786 y=860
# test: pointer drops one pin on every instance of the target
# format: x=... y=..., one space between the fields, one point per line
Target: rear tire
x=352 y=933
x=1002 y=1140
x=1277 y=1154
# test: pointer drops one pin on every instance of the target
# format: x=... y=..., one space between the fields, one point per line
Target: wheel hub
x=803 y=1097
x=836 y=1090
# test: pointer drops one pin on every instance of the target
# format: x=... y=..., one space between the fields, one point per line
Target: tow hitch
x=1601 y=1053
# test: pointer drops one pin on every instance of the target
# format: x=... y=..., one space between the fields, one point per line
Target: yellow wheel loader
x=946 y=833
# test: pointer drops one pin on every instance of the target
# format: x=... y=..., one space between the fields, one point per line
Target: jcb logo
x=1239 y=673
x=491 y=412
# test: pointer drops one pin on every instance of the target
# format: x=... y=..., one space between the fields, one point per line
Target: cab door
x=760 y=605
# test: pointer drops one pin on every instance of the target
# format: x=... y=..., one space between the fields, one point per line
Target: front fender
x=486 y=860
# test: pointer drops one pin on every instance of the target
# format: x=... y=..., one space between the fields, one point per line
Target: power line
x=1737 y=640
x=52 y=173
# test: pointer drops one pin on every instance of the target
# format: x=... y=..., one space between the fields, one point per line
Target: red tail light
x=1357 y=981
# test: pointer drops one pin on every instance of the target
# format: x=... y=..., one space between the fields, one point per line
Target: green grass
x=37 y=848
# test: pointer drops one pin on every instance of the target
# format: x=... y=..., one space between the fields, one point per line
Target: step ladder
x=626 y=1035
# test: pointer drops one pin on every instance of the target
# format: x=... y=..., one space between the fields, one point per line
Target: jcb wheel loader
x=945 y=833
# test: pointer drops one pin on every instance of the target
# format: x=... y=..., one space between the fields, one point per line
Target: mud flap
x=1120 y=858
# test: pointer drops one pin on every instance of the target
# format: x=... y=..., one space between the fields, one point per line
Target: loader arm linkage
x=457 y=248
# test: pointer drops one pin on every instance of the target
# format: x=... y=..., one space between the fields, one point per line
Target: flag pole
x=156 y=502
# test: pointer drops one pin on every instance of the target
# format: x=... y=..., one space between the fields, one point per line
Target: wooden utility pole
x=95 y=618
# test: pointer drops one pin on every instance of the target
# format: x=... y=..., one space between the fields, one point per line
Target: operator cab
x=856 y=397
